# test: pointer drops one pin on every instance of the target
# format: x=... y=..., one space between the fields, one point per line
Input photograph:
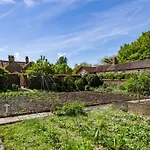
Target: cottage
x=85 y=70
x=15 y=67
x=141 y=65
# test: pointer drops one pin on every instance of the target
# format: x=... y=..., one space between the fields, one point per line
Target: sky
x=81 y=30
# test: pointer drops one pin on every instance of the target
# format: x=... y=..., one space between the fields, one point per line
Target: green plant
x=139 y=84
x=109 y=75
x=72 y=109
x=119 y=76
x=80 y=84
x=93 y=80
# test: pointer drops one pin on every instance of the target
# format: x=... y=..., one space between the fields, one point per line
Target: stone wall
x=114 y=82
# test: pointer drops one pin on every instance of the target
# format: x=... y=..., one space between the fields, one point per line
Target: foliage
x=69 y=84
x=61 y=66
x=108 y=129
x=119 y=76
x=108 y=60
x=62 y=69
x=137 y=50
x=40 y=74
x=72 y=109
x=3 y=77
x=139 y=84
x=93 y=80
x=80 y=84
x=109 y=75
x=61 y=60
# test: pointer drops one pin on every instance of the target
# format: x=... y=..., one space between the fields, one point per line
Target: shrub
x=101 y=76
x=3 y=77
x=109 y=75
x=119 y=76
x=93 y=80
x=80 y=84
x=130 y=75
x=72 y=109
x=140 y=84
x=69 y=84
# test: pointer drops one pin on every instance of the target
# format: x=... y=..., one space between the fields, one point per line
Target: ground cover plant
x=36 y=101
x=99 y=130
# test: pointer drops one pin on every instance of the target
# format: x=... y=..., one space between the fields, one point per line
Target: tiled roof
x=102 y=68
x=142 y=64
x=87 y=68
x=4 y=63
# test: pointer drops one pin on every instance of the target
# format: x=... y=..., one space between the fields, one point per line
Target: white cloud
x=120 y=21
x=7 y=2
x=60 y=54
x=29 y=2
x=10 y=11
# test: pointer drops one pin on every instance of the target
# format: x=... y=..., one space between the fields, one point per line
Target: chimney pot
x=11 y=58
x=27 y=59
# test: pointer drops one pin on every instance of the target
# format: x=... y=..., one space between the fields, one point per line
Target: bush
x=130 y=75
x=119 y=76
x=69 y=84
x=140 y=84
x=93 y=80
x=80 y=84
x=72 y=109
x=3 y=77
x=109 y=75
x=101 y=76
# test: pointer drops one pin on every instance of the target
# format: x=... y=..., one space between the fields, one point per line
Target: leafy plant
x=72 y=109
x=93 y=80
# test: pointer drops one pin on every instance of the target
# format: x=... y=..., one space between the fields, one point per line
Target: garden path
x=8 y=120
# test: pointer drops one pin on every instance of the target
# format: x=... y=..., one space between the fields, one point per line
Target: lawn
x=32 y=102
x=100 y=129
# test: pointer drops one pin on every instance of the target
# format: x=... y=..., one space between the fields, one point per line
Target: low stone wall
x=142 y=108
x=114 y=82
x=139 y=108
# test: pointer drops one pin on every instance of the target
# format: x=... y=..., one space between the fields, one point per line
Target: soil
x=49 y=101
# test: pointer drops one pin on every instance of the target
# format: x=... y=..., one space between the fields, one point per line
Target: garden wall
x=114 y=82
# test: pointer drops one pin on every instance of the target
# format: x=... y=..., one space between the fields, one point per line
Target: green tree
x=61 y=60
x=108 y=60
x=62 y=69
x=40 y=74
x=61 y=66
x=137 y=50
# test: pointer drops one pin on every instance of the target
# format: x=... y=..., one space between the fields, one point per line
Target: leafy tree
x=137 y=50
x=40 y=74
x=61 y=60
x=108 y=60
x=61 y=66
x=62 y=69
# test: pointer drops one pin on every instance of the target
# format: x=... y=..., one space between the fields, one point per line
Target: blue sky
x=81 y=30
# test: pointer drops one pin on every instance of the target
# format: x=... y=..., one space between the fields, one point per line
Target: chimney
x=27 y=59
x=115 y=61
x=11 y=58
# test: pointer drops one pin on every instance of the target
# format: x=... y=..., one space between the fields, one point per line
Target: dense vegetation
x=100 y=129
x=137 y=50
x=3 y=78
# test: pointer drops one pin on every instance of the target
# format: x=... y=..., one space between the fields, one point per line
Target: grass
x=110 y=129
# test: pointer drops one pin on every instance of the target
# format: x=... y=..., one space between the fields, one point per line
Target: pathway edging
x=9 y=120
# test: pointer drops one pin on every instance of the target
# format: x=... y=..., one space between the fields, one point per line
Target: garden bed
x=27 y=102
x=98 y=130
